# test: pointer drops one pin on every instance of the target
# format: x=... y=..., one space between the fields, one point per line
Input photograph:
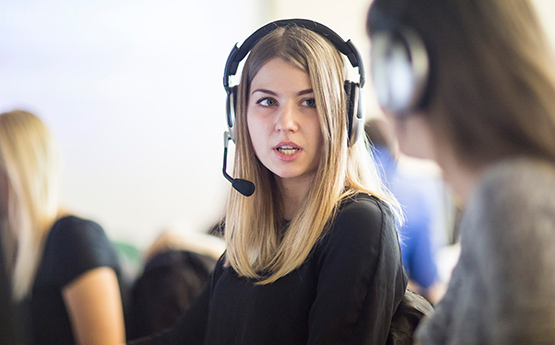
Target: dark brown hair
x=492 y=83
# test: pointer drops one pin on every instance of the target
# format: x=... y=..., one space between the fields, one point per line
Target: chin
x=287 y=175
x=292 y=175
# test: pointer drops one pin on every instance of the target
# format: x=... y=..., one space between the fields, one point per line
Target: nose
x=287 y=118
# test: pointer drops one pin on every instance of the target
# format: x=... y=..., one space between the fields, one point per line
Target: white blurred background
x=133 y=91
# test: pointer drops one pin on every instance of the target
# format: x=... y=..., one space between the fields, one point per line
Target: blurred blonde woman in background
x=64 y=270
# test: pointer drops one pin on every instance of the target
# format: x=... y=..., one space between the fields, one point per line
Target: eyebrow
x=300 y=93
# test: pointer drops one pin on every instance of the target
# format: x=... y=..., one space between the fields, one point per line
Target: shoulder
x=362 y=204
x=518 y=177
x=512 y=195
x=75 y=245
x=69 y=224
x=76 y=232
x=361 y=221
x=512 y=189
x=361 y=245
x=363 y=210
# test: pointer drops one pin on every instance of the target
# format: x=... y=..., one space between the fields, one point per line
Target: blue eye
x=309 y=102
x=267 y=102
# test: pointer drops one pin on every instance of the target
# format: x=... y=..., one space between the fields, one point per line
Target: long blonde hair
x=29 y=161
x=257 y=246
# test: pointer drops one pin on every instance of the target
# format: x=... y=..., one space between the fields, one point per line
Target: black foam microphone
x=242 y=186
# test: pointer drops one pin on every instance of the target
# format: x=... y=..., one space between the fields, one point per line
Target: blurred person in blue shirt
x=420 y=196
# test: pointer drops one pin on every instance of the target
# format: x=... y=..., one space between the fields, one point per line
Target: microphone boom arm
x=227 y=137
x=242 y=186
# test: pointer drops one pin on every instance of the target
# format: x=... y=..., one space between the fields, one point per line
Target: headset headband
x=345 y=47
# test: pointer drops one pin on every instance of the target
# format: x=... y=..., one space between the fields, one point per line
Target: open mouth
x=287 y=150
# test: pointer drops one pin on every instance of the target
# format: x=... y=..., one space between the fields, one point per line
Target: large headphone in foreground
x=400 y=69
x=353 y=90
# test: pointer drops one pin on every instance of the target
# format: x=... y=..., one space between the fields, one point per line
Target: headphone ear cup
x=231 y=108
x=359 y=114
x=355 y=111
x=400 y=69
x=349 y=107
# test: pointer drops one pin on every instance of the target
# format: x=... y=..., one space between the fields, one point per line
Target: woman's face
x=283 y=122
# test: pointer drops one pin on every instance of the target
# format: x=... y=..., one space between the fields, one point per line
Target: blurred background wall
x=133 y=91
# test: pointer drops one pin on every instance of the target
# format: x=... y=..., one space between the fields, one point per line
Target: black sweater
x=344 y=293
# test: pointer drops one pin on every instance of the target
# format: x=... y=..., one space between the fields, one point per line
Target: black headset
x=400 y=69
x=353 y=90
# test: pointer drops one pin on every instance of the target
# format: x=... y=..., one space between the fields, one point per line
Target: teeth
x=287 y=150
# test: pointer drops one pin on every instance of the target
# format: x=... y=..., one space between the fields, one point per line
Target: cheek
x=255 y=132
x=413 y=136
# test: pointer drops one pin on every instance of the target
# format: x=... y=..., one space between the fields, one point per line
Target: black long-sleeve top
x=344 y=293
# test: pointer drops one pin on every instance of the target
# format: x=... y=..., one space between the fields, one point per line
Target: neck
x=293 y=192
x=461 y=177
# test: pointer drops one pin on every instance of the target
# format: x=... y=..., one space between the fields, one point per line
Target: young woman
x=63 y=268
x=478 y=96
x=312 y=256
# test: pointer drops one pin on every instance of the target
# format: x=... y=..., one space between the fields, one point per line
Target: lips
x=287 y=152
x=287 y=149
